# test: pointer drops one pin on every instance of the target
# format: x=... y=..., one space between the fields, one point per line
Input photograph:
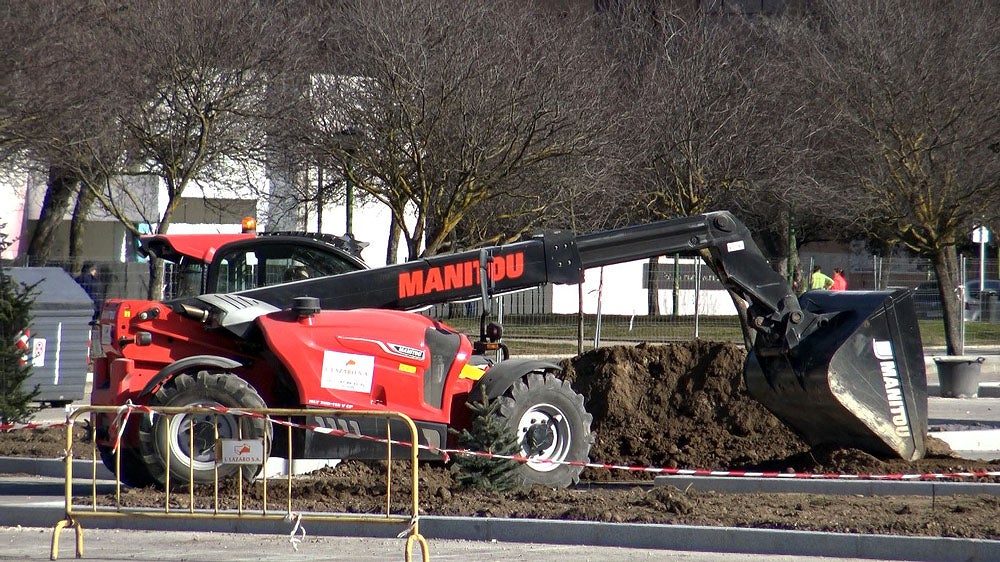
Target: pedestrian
x=839 y=281
x=819 y=280
x=91 y=283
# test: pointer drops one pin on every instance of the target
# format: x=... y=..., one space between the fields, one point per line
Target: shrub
x=488 y=434
x=16 y=301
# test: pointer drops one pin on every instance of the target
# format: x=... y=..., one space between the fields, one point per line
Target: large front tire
x=552 y=428
x=159 y=433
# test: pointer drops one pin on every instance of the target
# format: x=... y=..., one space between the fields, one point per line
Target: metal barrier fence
x=92 y=506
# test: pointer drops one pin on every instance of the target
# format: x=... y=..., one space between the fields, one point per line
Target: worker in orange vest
x=839 y=281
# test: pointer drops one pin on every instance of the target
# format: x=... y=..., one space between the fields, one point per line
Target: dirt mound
x=684 y=405
x=677 y=405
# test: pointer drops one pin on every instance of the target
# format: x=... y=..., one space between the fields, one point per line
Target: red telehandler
x=840 y=368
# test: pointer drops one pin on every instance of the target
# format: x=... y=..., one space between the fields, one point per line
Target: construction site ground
x=668 y=406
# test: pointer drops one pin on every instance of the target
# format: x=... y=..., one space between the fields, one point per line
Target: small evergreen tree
x=16 y=301
x=489 y=435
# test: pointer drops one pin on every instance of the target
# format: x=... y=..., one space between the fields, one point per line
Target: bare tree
x=29 y=32
x=795 y=195
x=176 y=91
x=696 y=90
x=912 y=93
x=48 y=88
x=451 y=106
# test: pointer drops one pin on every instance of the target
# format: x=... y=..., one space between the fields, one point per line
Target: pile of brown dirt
x=678 y=405
x=684 y=405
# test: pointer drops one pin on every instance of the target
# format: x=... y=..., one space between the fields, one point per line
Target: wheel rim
x=544 y=435
x=202 y=457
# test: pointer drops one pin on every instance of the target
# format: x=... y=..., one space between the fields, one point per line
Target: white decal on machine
x=347 y=371
x=893 y=390
x=394 y=348
x=407 y=351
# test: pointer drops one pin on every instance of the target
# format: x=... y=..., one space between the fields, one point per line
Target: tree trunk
x=653 y=287
x=78 y=226
x=952 y=300
x=393 y=248
x=774 y=243
x=60 y=188
x=156 y=277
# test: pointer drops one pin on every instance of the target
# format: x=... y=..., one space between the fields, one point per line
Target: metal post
x=499 y=354
x=349 y=203
x=982 y=269
x=320 y=199
x=600 y=294
x=697 y=293
x=961 y=294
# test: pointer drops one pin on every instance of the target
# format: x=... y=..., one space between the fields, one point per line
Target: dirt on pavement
x=676 y=406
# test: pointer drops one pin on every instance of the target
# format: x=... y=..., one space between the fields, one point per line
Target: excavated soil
x=676 y=406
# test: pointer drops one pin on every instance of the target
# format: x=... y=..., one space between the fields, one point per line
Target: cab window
x=237 y=271
x=273 y=264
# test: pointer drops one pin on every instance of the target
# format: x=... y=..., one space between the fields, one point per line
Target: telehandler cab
x=839 y=368
x=228 y=262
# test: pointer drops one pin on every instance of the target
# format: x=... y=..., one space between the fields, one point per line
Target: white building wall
x=371 y=225
x=621 y=292
x=14 y=189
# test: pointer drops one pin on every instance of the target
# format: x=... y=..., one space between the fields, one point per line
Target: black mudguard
x=188 y=364
x=502 y=375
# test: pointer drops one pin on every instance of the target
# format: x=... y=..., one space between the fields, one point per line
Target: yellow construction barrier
x=78 y=508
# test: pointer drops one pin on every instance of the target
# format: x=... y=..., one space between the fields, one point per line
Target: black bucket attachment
x=857 y=380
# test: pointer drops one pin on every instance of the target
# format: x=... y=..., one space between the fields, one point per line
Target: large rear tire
x=552 y=427
x=159 y=433
x=133 y=469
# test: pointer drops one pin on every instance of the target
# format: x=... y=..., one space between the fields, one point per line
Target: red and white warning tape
x=22 y=343
x=14 y=426
x=756 y=474
x=127 y=409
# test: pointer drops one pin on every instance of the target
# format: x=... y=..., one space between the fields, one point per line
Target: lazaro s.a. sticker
x=347 y=371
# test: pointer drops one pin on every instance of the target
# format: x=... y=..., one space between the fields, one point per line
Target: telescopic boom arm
x=561 y=257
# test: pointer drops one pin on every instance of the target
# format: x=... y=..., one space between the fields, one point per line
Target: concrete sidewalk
x=499 y=542
x=970 y=426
